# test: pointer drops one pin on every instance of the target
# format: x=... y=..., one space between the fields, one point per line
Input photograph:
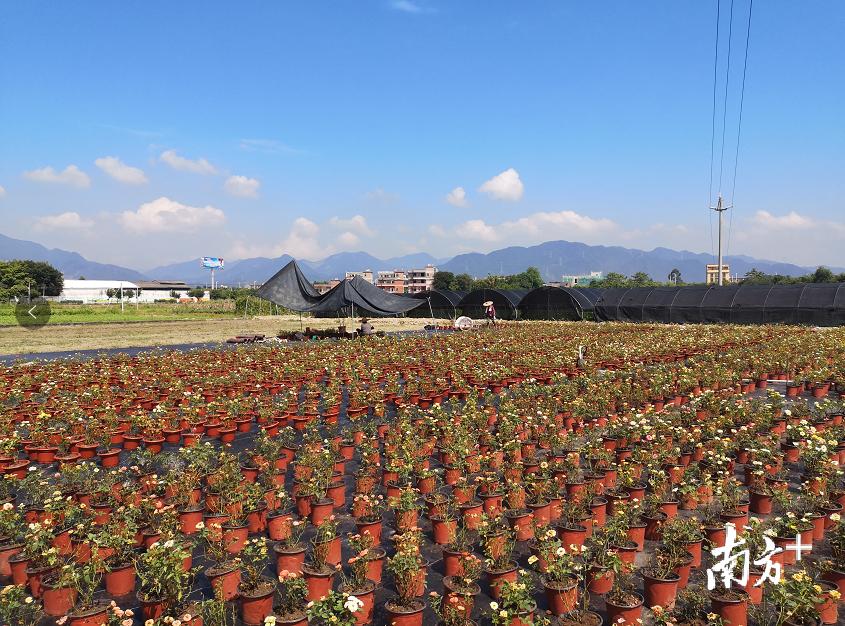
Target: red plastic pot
x=561 y=598
x=600 y=579
x=290 y=559
x=404 y=616
x=225 y=580
x=660 y=591
x=495 y=580
x=733 y=610
x=319 y=582
x=620 y=615
x=58 y=601
x=256 y=606
x=120 y=580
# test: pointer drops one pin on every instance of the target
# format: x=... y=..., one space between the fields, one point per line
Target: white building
x=419 y=280
x=97 y=291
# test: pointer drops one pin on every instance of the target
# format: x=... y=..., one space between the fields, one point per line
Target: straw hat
x=364 y=320
x=488 y=303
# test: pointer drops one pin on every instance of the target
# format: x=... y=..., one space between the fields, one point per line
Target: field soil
x=92 y=336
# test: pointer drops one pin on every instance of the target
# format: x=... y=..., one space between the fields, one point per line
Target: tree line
x=529 y=279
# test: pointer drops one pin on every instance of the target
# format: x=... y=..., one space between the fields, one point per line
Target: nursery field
x=465 y=479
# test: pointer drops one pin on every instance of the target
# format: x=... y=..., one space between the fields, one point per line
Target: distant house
x=152 y=290
x=326 y=285
x=580 y=279
x=97 y=291
x=92 y=291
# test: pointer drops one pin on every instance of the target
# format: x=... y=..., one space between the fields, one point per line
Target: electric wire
x=713 y=125
x=739 y=122
x=725 y=102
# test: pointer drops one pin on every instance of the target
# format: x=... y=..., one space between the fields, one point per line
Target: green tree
x=675 y=277
x=529 y=279
x=823 y=275
x=641 y=279
x=21 y=277
x=443 y=280
x=463 y=282
x=198 y=292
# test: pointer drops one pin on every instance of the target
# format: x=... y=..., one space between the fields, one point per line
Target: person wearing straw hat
x=366 y=328
x=490 y=312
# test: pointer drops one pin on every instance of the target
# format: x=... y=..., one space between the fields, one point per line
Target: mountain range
x=552 y=258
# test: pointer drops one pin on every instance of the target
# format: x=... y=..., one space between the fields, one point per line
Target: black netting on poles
x=556 y=303
x=505 y=301
x=444 y=303
x=821 y=304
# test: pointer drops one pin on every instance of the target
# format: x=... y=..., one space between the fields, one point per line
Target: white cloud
x=164 y=215
x=2 y=191
x=71 y=175
x=301 y=241
x=242 y=186
x=546 y=223
x=69 y=220
x=541 y=226
x=437 y=230
x=200 y=166
x=270 y=146
x=356 y=224
x=790 y=220
x=381 y=196
x=121 y=172
x=504 y=186
x=348 y=239
x=406 y=6
x=477 y=229
x=457 y=197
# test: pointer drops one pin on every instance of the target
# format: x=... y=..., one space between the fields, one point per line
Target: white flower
x=353 y=604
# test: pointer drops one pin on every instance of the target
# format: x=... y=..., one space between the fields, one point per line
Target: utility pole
x=719 y=208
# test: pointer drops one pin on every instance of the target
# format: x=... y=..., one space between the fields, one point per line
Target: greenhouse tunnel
x=444 y=303
x=817 y=304
x=557 y=303
x=506 y=302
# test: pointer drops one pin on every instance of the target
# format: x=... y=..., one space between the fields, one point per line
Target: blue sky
x=178 y=129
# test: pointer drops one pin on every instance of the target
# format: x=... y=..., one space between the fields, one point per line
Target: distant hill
x=556 y=258
x=71 y=264
x=259 y=269
x=553 y=259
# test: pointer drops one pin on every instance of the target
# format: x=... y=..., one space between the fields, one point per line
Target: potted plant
x=18 y=607
x=256 y=591
x=623 y=603
x=224 y=572
x=293 y=594
x=290 y=551
x=335 y=609
x=406 y=568
x=164 y=581
x=515 y=604
x=357 y=583
x=319 y=570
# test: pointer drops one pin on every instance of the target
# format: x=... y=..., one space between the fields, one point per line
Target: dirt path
x=72 y=337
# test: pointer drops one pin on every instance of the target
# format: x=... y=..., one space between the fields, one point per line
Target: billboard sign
x=212 y=262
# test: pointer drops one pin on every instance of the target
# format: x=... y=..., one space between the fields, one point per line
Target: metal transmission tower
x=720 y=208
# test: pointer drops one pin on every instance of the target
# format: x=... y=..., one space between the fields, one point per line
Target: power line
x=739 y=122
x=725 y=103
x=713 y=121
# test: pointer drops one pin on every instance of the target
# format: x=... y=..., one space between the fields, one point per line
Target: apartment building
x=392 y=282
x=420 y=280
x=366 y=275
x=326 y=285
